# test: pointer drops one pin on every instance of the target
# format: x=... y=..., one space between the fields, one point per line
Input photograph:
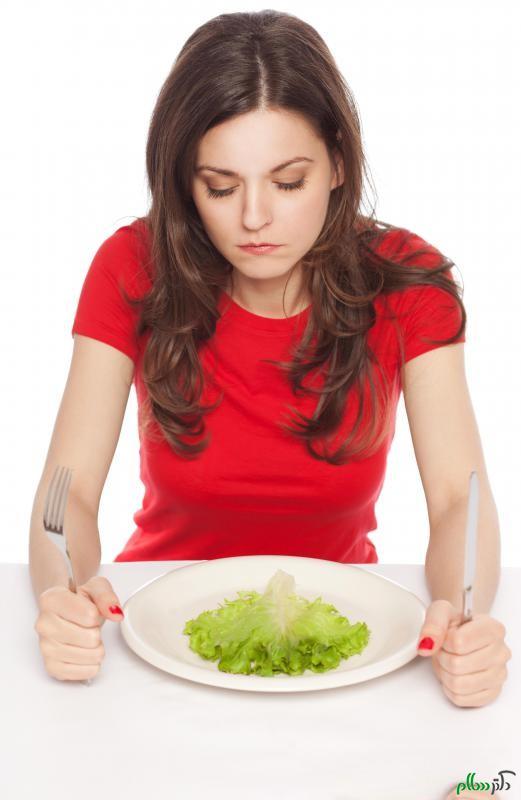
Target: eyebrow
x=231 y=174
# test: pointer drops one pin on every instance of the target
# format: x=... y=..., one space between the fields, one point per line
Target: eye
x=218 y=192
x=287 y=187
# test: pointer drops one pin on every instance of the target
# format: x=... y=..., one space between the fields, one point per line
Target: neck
x=265 y=297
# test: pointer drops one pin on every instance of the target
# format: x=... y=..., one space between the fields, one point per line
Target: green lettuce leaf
x=275 y=632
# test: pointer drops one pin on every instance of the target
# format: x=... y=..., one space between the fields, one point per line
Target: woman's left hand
x=470 y=659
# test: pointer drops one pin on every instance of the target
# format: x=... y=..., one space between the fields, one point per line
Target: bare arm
x=445 y=555
x=84 y=438
x=447 y=446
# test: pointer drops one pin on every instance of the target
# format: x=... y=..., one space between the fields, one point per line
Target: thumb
x=440 y=616
x=99 y=590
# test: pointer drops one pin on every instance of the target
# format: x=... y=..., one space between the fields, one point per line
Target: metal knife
x=471 y=546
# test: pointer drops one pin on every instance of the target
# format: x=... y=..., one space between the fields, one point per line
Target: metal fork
x=53 y=518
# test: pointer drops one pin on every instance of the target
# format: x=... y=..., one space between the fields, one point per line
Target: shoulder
x=419 y=306
x=131 y=240
x=124 y=256
x=407 y=248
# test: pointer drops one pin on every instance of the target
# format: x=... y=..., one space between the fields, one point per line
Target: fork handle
x=72 y=588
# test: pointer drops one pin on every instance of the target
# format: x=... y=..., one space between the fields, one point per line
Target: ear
x=339 y=162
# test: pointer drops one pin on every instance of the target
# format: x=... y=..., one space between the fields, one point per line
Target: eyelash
x=287 y=187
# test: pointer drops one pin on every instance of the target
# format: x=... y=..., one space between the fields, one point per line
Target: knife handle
x=467 y=604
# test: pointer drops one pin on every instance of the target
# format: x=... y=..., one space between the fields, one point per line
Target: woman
x=267 y=379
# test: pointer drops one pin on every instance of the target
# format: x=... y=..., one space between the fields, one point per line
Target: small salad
x=275 y=632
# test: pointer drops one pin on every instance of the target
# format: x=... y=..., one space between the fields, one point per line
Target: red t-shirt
x=255 y=489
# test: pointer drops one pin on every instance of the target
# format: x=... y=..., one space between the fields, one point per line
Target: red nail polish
x=426 y=644
x=116 y=610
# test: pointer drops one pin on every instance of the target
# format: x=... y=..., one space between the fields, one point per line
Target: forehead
x=260 y=139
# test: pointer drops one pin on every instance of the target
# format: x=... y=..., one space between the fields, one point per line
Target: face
x=262 y=201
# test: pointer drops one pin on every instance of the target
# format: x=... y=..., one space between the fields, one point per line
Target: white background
x=437 y=87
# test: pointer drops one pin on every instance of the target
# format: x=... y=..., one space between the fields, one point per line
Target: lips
x=259 y=249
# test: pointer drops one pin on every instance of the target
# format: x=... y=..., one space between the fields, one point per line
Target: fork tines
x=56 y=499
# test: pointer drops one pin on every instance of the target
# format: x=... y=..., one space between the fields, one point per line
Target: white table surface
x=139 y=732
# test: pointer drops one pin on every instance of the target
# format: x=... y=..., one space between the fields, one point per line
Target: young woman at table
x=267 y=379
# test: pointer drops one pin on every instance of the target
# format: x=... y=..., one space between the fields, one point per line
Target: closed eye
x=283 y=186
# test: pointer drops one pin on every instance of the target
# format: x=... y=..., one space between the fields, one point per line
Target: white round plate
x=155 y=616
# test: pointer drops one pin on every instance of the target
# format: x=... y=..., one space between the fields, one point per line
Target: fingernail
x=116 y=610
x=426 y=644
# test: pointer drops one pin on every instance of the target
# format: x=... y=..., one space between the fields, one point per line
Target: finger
x=473 y=700
x=466 y=794
x=62 y=631
x=68 y=654
x=72 y=607
x=71 y=672
x=473 y=682
x=473 y=635
x=439 y=616
x=100 y=590
x=492 y=655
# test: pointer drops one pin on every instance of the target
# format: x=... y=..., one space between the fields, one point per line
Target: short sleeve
x=102 y=311
x=428 y=315
x=433 y=317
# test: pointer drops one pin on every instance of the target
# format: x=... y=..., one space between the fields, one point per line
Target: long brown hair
x=233 y=64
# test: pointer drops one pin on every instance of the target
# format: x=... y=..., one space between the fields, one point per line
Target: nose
x=256 y=211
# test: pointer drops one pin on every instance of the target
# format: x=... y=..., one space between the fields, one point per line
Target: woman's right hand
x=69 y=627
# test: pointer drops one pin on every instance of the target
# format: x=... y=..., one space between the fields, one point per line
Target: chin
x=264 y=274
